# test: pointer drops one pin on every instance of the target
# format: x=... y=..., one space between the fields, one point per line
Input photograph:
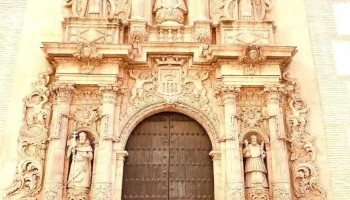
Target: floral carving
x=53 y=191
x=86 y=116
x=170 y=11
x=27 y=182
x=235 y=191
x=101 y=191
x=251 y=58
x=257 y=194
x=88 y=56
x=251 y=117
x=81 y=194
x=281 y=192
x=303 y=153
x=32 y=141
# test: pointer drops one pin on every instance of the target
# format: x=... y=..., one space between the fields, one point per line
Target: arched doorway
x=168 y=159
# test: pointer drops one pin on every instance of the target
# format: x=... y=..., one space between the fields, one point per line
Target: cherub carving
x=199 y=89
x=137 y=90
x=298 y=115
x=37 y=101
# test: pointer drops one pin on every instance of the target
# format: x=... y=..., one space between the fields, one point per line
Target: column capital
x=63 y=91
x=121 y=155
x=273 y=93
x=228 y=92
x=216 y=155
x=110 y=92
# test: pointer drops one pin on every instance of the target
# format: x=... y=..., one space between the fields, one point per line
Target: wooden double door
x=168 y=159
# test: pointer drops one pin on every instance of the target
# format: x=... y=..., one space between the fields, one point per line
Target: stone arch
x=261 y=136
x=92 y=134
x=134 y=119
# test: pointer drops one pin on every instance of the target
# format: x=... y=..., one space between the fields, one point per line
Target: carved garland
x=32 y=141
x=303 y=154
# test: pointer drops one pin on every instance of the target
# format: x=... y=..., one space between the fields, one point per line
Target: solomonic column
x=234 y=174
x=102 y=186
x=281 y=188
x=53 y=188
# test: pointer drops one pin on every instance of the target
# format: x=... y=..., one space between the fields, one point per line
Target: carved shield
x=169 y=80
x=259 y=7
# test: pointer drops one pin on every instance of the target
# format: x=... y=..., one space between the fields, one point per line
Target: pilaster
x=120 y=157
x=280 y=167
x=53 y=188
x=234 y=175
x=217 y=173
x=102 y=186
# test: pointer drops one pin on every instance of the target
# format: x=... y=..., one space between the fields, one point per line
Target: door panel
x=168 y=159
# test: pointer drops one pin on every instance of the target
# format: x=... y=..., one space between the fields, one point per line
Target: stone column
x=280 y=163
x=138 y=9
x=102 y=186
x=120 y=155
x=202 y=9
x=217 y=173
x=234 y=184
x=54 y=173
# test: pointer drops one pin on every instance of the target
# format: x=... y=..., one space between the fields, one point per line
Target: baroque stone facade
x=218 y=63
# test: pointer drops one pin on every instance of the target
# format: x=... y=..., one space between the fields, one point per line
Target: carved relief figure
x=38 y=112
x=255 y=169
x=253 y=9
x=298 y=115
x=170 y=11
x=199 y=89
x=80 y=168
x=137 y=90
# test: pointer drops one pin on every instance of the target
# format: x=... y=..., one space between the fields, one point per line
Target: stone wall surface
x=11 y=13
x=333 y=91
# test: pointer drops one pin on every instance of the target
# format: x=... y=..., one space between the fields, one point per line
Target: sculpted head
x=253 y=139
x=82 y=137
x=253 y=54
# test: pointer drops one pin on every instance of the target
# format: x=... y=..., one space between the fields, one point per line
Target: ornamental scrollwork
x=32 y=141
x=305 y=173
x=88 y=57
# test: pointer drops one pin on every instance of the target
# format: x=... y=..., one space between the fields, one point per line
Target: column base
x=78 y=194
x=257 y=193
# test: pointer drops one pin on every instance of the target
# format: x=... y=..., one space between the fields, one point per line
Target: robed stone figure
x=169 y=11
x=255 y=169
x=80 y=168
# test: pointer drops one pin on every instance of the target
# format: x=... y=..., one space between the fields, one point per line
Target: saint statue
x=80 y=168
x=170 y=11
x=255 y=169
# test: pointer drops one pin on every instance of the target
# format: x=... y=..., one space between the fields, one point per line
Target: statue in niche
x=80 y=168
x=137 y=90
x=85 y=8
x=170 y=11
x=199 y=89
x=255 y=169
x=253 y=10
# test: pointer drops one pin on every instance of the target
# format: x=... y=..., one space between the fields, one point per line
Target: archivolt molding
x=156 y=105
